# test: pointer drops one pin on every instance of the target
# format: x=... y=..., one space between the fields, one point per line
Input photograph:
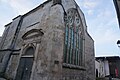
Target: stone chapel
x=50 y=42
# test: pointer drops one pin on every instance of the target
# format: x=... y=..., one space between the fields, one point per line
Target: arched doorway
x=25 y=65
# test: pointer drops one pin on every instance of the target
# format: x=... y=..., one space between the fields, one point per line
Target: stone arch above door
x=32 y=36
x=32 y=33
x=28 y=47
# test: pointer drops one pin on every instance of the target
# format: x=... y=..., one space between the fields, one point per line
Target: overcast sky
x=100 y=17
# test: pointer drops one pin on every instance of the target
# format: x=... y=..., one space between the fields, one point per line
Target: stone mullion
x=70 y=53
x=74 y=51
x=77 y=45
x=78 y=50
x=81 y=50
x=67 y=47
x=72 y=39
x=66 y=44
x=73 y=46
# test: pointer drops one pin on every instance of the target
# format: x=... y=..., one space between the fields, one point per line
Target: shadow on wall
x=107 y=78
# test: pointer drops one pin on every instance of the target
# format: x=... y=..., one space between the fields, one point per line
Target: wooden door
x=24 y=69
x=25 y=65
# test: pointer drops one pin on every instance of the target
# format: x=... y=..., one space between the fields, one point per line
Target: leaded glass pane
x=65 y=54
x=66 y=35
x=69 y=55
x=77 y=57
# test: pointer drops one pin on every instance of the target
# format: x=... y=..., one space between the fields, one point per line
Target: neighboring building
x=108 y=66
x=117 y=6
x=102 y=67
x=97 y=69
x=50 y=42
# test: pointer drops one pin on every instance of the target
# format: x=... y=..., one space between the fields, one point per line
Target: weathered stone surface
x=2 y=79
x=73 y=74
x=89 y=57
x=56 y=2
x=49 y=20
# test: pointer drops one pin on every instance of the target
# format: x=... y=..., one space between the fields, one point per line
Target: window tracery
x=73 y=51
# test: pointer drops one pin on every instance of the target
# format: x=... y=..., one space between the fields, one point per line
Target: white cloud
x=103 y=26
x=106 y=37
x=17 y=7
x=4 y=0
x=106 y=13
x=90 y=12
x=89 y=5
x=106 y=33
x=21 y=6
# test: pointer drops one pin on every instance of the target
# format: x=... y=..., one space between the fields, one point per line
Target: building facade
x=108 y=66
x=102 y=68
x=50 y=42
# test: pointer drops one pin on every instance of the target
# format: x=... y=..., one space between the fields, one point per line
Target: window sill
x=27 y=56
x=71 y=66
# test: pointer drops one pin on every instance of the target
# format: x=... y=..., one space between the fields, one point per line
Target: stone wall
x=89 y=57
x=73 y=74
x=34 y=20
x=4 y=40
x=50 y=54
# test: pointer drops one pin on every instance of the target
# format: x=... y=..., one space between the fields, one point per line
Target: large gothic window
x=73 y=52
